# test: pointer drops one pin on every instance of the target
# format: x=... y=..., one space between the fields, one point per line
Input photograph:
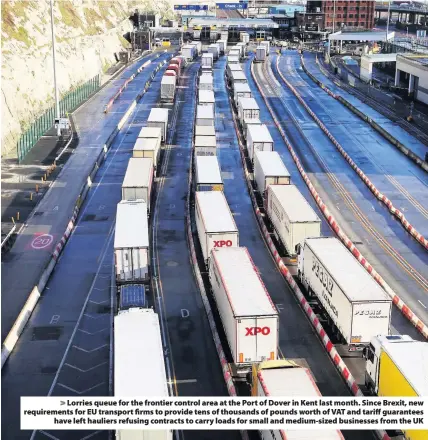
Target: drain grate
x=47 y=333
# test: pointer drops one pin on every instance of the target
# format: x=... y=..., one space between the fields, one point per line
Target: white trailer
x=241 y=90
x=233 y=68
x=258 y=139
x=243 y=49
x=215 y=50
x=137 y=184
x=248 y=109
x=205 y=70
x=223 y=46
x=148 y=148
x=266 y=44
x=214 y=222
x=206 y=82
x=260 y=54
x=235 y=52
x=205 y=146
x=189 y=52
x=204 y=130
x=206 y=97
x=245 y=38
x=232 y=59
x=291 y=215
x=358 y=307
x=208 y=174
x=158 y=117
x=269 y=169
x=249 y=317
x=139 y=366
x=246 y=123
x=204 y=115
x=168 y=88
x=207 y=60
x=224 y=35
x=238 y=78
x=198 y=47
x=151 y=132
x=288 y=380
x=131 y=242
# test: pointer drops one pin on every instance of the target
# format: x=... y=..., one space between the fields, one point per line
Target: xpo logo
x=221 y=243
x=253 y=331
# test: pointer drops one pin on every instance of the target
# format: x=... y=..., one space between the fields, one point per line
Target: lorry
x=206 y=97
x=208 y=174
x=286 y=378
x=214 y=222
x=224 y=35
x=248 y=109
x=158 y=117
x=205 y=146
x=137 y=184
x=243 y=48
x=269 y=169
x=241 y=90
x=204 y=115
x=207 y=60
x=232 y=59
x=260 y=54
x=132 y=295
x=139 y=366
x=266 y=44
x=223 y=46
x=206 y=82
x=396 y=366
x=291 y=215
x=204 y=130
x=232 y=68
x=189 y=52
x=249 y=317
x=168 y=88
x=148 y=148
x=131 y=243
x=258 y=139
x=246 y=123
x=356 y=306
x=215 y=50
x=237 y=78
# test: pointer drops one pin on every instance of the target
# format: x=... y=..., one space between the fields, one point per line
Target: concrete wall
x=416 y=69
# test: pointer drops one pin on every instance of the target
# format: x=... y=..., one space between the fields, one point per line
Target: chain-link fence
x=43 y=123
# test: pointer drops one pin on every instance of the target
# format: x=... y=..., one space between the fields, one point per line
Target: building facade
x=339 y=14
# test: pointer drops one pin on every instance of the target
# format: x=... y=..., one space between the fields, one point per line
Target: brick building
x=344 y=13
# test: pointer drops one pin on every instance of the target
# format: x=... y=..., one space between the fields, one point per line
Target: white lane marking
x=184 y=313
x=422 y=304
x=186 y=381
x=55 y=319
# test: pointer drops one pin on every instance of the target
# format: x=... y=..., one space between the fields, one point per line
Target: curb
x=401 y=147
x=193 y=259
x=381 y=197
x=337 y=360
x=23 y=317
x=405 y=310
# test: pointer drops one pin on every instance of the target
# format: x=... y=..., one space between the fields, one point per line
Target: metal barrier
x=44 y=122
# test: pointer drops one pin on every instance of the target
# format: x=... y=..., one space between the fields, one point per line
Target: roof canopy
x=360 y=36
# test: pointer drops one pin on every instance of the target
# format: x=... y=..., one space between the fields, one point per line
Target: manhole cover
x=48 y=333
x=172 y=263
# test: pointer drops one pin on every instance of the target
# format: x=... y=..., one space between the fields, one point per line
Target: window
x=339 y=15
x=351 y=15
x=363 y=15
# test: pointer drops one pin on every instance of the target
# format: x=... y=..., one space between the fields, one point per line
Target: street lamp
x=387 y=20
x=54 y=71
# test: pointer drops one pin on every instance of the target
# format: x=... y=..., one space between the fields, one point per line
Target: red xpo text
x=221 y=243
x=253 y=331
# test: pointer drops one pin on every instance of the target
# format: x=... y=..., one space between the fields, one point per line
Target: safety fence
x=44 y=122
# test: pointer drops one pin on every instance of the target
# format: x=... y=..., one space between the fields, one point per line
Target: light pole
x=58 y=132
x=334 y=14
x=387 y=20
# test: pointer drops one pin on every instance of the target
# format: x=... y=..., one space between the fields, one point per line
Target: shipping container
x=260 y=54
x=269 y=169
x=356 y=304
x=206 y=82
x=232 y=59
x=241 y=90
x=205 y=146
x=291 y=215
x=167 y=88
x=204 y=115
x=286 y=379
x=137 y=184
x=148 y=148
x=139 y=366
x=396 y=366
x=189 y=52
x=208 y=174
x=207 y=60
x=204 y=130
x=258 y=139
x=132 y=295
x=249 y=317
x=248 y=109
x=206 y=97
x=215 y=224
x=131 y=242
x=246 y=123
x=158 y=117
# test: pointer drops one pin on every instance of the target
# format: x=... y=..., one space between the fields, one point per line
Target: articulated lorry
x=397 y=366
x=285 y=378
